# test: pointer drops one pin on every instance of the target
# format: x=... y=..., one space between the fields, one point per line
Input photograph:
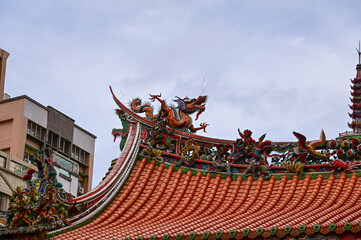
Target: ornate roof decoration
x=36 y=209
x=174 y=117
x=185 y=186
x=170 y=183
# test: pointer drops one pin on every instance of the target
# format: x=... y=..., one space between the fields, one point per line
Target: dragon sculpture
x=175 y=117
x=123 y=133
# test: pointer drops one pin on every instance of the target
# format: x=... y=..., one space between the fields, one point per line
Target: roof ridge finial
x=359 y=52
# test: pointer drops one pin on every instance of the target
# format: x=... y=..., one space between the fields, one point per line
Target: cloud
x=274 y=67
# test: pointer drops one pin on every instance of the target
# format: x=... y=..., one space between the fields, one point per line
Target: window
x=2 y=161
x=80 y=188
x=27 y=157
x=55 y=158
x=31 y=128
x=18 y=168
x=36 y=130
x=65 y=163
x=65 y=173
x=38 y=133
x=75 y=168
x=79 y=154
x=75 y=152
x=64 y=146
x=53 y=139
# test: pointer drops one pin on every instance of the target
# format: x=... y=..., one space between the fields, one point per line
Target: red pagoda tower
x=356 y=98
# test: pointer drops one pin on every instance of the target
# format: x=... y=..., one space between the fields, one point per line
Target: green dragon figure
x=123 y=133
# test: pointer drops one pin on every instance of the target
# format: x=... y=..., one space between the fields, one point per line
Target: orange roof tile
x=158 y=200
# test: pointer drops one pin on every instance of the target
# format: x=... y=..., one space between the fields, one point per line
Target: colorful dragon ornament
x=175 y=117
x=118 y=132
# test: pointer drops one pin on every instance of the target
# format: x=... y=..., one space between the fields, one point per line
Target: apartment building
x=27 y=126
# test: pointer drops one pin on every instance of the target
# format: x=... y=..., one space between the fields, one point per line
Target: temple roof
x=161 y=199
x=355 y=114
x=155 y=190
x=355 y=93
x=170 y=183
x=356 y=87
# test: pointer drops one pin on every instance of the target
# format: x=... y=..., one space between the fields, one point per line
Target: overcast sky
x=273 y=66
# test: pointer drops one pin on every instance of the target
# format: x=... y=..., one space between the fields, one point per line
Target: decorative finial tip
x=359 y=52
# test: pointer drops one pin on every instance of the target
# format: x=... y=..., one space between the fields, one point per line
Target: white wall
x=74 y=185
x=83 y=140
x=36 y=113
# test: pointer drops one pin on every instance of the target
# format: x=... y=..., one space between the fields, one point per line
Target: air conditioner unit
x=81 y=190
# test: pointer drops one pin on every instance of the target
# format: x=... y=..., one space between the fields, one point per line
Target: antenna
x=359 y=53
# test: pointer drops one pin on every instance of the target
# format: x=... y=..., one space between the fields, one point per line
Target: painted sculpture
x=175 y=117
x=37 y=208
x=162 y=137
x=153 y=153
x=121 y=132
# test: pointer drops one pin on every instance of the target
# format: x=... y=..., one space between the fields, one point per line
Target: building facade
x=11 y=171
x=27 y=126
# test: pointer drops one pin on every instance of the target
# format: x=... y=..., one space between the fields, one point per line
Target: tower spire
x=359 y=53
x=356 y=97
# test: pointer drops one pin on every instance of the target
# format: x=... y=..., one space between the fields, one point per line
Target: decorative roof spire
x=356 y=97
x=359 y=53
x=358 y=66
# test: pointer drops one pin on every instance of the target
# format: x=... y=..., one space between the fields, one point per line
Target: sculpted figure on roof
x=247 y=148
x=175 y=117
